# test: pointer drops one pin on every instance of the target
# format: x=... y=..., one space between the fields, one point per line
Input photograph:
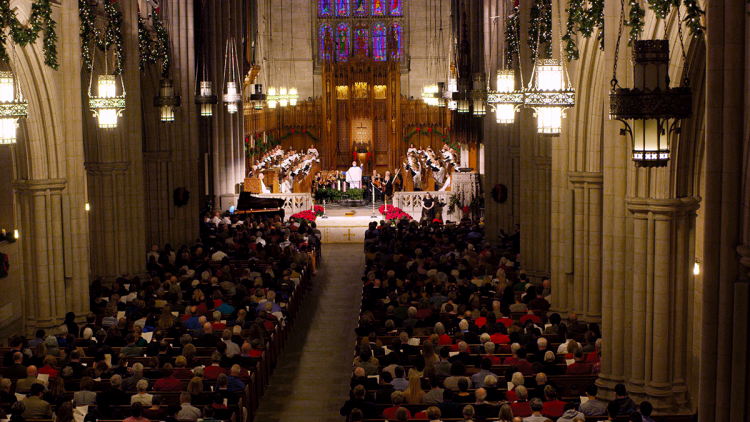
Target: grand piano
x=248 y=204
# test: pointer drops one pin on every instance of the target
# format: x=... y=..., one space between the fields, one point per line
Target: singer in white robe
x=354 y=176
x=263 y=188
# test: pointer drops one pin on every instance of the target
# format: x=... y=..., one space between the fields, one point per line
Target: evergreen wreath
x=40 y=20
x=91 y=36
x=584 y=17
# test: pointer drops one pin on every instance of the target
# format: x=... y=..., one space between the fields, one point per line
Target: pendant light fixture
x=204 y=95
x=506 y=100
x=647 y=109
x=12 y=104
x=233 y=91
x=292 y=95
x=106 y=106
x=167 y=99
x=549 y=91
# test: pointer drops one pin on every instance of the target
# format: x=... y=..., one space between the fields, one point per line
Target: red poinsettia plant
x=305 y=215
x=318 y=210
x=393 y=214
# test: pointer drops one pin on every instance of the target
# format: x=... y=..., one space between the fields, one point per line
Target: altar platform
x=338 y=228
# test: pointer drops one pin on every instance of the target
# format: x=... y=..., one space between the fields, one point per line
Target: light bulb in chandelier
x=283 y=97
x=167 y=100
x=293 y=96
x=206 y=99
x=549 y=95
x=106 y=106
x=272 y=97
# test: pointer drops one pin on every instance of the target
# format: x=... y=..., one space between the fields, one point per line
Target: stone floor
x=311 y=381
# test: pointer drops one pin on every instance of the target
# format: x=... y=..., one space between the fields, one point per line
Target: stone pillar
x=726 y=173
x=227 y=131
x=661 y=264
x=41 y=204
x=114 y=165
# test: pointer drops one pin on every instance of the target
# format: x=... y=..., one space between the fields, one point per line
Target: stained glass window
x=342 y=42
x=325 y=41
x=397 y=42
x=378 y=7
x=361 y=40
x=378 y=42
x=359 y=7
x=342 y=7
x=397 y=7
x=325 y=8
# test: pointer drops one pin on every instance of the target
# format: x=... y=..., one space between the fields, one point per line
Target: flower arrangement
x=318 y=209
x=393 y=214
x=308 y=215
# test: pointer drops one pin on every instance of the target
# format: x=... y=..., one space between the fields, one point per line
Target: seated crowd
x=184 y=344
x=451 y=327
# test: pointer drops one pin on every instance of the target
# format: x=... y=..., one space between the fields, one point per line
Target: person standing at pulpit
x=354 y=176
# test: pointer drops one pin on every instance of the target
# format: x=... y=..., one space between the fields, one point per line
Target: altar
x=345 y=229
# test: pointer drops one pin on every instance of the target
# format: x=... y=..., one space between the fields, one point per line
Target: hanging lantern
x=549 y=94
x=258 y=98
x=283 y=97
x=272 y=97
x=479 y=94
x=107 y=106
x=293 y=96
x=233 y=94
x=651 y=104
x=12 y=107
x=167 y=100
x=206 y=99
x=506 y=99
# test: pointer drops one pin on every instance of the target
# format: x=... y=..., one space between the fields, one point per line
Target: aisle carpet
x=312 y=379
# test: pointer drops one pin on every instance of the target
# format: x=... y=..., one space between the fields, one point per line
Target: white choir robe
x=263 y=188
x=354 y=177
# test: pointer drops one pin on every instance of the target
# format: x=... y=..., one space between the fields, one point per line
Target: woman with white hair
x=141 y=396
x=517 y=381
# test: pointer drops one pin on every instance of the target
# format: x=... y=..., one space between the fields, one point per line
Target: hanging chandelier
x=167 y=100
x=273 y=97
x=506 y=100
x=258 y=97
x=107 y=106
x=233 y=93
x=651 y=104
x=12 y=107
x=549 y=93
x=479 y=94
x=204 y=96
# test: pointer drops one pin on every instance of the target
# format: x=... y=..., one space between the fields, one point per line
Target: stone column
x=114 y=165
x=40 y=202
x=661 y=229
x=227 y=131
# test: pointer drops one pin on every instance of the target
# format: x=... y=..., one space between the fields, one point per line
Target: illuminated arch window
x=343 y=37
x=397 y=42
x=379 y=48
x=325 y=32
x=359 y=8
x=325 y=8
x=378 y=7
x=397 y=7
x=361 y=40
x=342 y=7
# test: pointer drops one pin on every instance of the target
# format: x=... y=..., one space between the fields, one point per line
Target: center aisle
x=311 y=381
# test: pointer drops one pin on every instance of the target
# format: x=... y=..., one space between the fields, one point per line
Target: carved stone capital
x=590 y=179
x=662 y=208
x=106 y=168
x=40 y=186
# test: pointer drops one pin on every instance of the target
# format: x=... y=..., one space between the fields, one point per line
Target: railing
x=293 y=202
x=411 y=203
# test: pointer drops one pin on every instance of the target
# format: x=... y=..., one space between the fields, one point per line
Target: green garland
x=693 y=15
x=260 y=147
x=303 y=131
x=584 y=17
x=154 y=50
x=91 y=36
x=40 y=20
x=426 y=131
x=540 y=19
x=513 y=37
x=635 y=21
